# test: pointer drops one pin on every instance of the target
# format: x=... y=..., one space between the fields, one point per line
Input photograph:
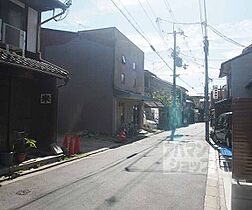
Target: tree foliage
x=163 y=98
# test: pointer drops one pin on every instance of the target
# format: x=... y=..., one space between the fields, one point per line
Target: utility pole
x=174 y=85
x=206 y=48
x=175 y=64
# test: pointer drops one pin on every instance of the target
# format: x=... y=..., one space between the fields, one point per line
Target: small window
x=134 y=66
x=134 y=83
x=123 y=78
x=123 y=59
x=146 y=82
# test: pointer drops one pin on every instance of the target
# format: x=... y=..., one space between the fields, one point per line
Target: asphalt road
x=152 y=173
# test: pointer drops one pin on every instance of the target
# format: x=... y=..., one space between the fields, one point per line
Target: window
x=123 y=59
x=16 y=15
x=134 y=83
x=123 y=78
x=122 y=108
x=134 y=66
x=146 y=82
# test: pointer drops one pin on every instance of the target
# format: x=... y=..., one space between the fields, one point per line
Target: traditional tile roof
x=31 y=64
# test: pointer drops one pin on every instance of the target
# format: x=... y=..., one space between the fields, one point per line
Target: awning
x=153 y=104
x=128 y=95
x=15 y=60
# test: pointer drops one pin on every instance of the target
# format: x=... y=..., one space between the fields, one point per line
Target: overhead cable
x=145 y=38
x=224 y=36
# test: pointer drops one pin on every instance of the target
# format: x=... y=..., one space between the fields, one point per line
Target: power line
x=128 y=14
x=146 y=13
x=225 y=37
x=211 y=59
x=170 y=10
x=152 y=11
x=138 y=30
x=145 y=38
x=180 y=23
x=142 y=35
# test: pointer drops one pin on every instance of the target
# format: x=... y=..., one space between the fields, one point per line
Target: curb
x=47 y=166
x=212 y=197
x=79 y=157
x=215 y=195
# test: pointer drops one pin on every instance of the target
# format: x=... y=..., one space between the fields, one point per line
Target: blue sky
x=231 y=17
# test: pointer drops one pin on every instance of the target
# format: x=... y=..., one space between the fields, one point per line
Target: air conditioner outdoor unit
x=14 y=37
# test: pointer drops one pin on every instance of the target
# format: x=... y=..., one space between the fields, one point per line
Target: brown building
x=107 y=79
x=28 y=84
x=238 y=73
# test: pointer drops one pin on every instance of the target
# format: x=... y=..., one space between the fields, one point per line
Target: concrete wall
x=93 y=59
x=86 y=102
x=124 y=47
x=241 y=73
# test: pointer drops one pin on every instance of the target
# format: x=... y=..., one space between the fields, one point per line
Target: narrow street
x=152 y=173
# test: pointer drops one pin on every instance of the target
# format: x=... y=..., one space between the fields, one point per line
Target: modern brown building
x=28 y=84
x=106 y=88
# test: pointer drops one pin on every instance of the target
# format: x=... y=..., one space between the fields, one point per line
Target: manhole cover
x=23 y=192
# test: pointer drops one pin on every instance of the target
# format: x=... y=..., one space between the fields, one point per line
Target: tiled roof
x=31 y=64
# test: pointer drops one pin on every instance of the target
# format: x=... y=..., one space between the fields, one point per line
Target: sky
x=230 y=17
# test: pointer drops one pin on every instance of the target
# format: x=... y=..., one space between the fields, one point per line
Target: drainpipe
x=39 y=53
x=57 y=108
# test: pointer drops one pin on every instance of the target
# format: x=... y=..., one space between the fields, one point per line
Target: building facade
x=238 y=73
x=28 y=84
x=155 y=87
x=107 y=79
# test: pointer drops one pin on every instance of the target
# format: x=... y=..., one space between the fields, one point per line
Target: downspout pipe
x=57 y=109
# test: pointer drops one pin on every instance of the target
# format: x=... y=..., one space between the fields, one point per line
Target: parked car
x=223 y=129
x=150 y=124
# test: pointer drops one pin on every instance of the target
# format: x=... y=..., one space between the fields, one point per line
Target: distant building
x=217 y=94
x=198 y=102
x=152 y=85
x=106 y=88
x=218 y=102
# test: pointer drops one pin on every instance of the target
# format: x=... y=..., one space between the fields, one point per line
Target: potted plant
x=21 y=147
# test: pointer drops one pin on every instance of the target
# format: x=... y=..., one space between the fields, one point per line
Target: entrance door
x=4 y=113
x=136 y=115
